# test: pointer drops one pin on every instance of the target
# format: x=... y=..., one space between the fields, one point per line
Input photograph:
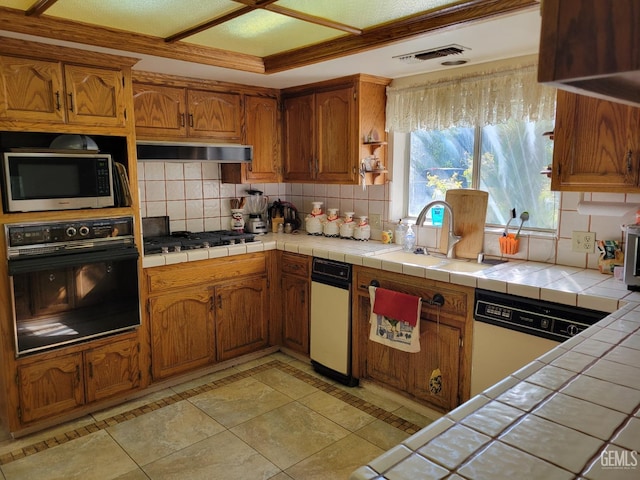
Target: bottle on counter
x=398 y=235
x=409 y=243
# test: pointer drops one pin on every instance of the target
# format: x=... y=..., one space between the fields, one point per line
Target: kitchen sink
x=411 y=258
x=433 y=261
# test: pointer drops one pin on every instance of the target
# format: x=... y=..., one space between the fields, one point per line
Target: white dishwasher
x=330 y=329
x=510 y=331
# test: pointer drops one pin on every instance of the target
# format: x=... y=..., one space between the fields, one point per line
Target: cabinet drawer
x=169 y=277
x=295 y=264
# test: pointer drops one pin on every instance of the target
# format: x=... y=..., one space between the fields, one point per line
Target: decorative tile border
x=356 y=402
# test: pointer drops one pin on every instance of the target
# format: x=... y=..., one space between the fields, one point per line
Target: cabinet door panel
x=241 y=317
x=261 y=116
x=595 y=146
x=50 y=387
x=160 y=110
x=214 y=115
x=299 y=138
x=439 y=348
x=95 y=96
x=181 y=332
x=112 y=369
x=295 y=304
x=336 y=123
x=31 y=90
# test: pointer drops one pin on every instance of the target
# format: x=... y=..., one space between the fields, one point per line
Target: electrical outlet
x=375 y=221
x=583 y=242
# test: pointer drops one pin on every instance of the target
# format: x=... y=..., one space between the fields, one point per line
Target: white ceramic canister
x=313 y=221
x=362 y=231
x=346 y=229
x=237 y=219
x=331 y=226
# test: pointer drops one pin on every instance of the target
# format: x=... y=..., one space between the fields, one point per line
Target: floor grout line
x=350 y=399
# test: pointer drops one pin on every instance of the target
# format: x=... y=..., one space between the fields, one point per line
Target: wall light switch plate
x=375 y=221
x=583 y=242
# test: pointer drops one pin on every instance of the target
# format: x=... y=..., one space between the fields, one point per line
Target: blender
x=256 y=205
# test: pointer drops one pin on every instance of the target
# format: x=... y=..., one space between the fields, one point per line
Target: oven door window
x=59 y=305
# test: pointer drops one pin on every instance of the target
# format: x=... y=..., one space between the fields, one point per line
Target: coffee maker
x=256 y=204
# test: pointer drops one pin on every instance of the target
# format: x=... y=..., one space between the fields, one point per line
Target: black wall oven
x=71 y=281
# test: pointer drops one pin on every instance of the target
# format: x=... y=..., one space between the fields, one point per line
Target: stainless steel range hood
x=193 y=152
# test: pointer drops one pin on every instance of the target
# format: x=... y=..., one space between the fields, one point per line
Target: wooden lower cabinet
x=181 y=331
x=295 y=293
x=207 y=311
x=242 y=311
x=444 y=344
x=60 y=383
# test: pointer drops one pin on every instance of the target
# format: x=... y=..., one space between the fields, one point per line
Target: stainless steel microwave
x=42 y=181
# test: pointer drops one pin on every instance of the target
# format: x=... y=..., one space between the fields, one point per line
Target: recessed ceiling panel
x=160 y=18
x=19 y=4
x=263 y=33
x=362 y=13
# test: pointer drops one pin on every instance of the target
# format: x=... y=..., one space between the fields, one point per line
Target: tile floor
x=271 y=418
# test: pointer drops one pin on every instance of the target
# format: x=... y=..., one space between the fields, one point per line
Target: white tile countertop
x=572 y=413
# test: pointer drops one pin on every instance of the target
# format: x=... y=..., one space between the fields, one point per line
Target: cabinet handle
x=58 y=100
x=629 y=158
x=181 y=119
x=317 y=166
x=220 y=302
x=90 y=369
x=191 y=119
x=71 y=102
x=78 y=373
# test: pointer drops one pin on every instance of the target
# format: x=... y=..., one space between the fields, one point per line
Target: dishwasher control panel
x=535 y=317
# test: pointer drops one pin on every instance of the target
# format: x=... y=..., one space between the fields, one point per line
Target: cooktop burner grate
x=185 y=240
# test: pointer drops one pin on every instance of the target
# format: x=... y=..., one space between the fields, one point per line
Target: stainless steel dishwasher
x=330 y=330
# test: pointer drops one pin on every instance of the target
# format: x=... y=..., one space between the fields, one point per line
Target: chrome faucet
x=453 y=238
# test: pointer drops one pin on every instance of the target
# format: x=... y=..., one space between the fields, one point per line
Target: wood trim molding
x=471 y=11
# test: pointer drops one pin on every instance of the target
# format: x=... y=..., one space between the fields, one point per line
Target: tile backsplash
x=195 y=198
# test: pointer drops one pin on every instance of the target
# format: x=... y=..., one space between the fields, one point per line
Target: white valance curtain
x=478 y=99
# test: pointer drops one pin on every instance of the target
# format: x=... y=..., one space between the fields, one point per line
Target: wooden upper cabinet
x=299 y=138
x=596 y=145
x=42 y=91
x=94 y=96
x=214 y=115
x=337 y=136
x=325 y=126
x=159 y=111
x=320 y=140
x=262 y=131
x=166 y=112
x=592 y=47
x=32 y=90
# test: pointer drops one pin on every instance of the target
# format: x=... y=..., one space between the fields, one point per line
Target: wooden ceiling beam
x=313 y=19
x=39 y=7
x=393 y=32
x=208 y=24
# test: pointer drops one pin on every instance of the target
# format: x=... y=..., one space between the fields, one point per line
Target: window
x=503 y=159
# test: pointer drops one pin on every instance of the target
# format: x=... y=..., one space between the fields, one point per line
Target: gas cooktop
x=184 y=240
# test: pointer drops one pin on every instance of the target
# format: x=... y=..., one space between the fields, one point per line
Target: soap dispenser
x=409 y=240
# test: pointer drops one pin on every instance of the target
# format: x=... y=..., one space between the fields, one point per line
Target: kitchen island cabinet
x=445 y=340
x=206 y=311
x=596 y=145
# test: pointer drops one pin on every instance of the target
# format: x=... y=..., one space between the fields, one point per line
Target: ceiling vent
x=439 y=52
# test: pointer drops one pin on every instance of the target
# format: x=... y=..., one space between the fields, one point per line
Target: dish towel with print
x=395 y=319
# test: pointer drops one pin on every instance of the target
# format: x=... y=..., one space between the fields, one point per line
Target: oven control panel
x=44 y=238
